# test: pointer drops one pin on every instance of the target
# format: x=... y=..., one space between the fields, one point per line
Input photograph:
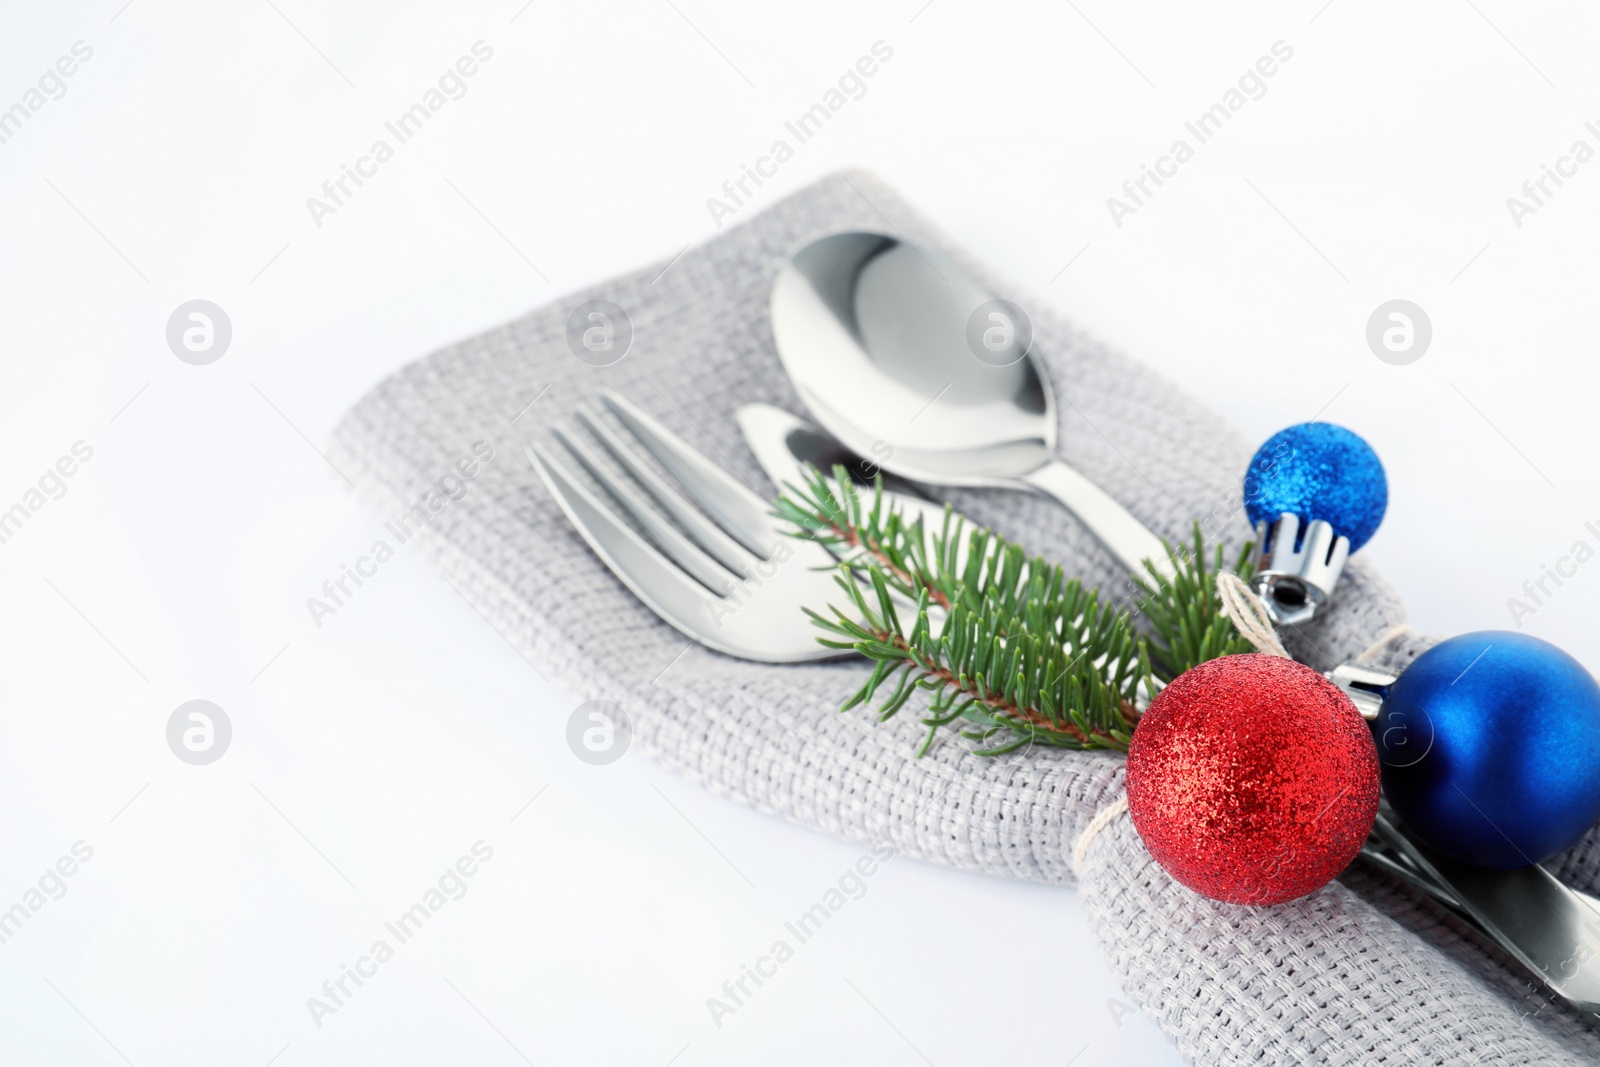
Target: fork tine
x=741 y=512
x=678 y=548
x=654 y=579
x=707 y=534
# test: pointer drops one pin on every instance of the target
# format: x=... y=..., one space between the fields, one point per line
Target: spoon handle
x=1123 y=535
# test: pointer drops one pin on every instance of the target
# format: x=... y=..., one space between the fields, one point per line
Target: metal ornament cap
x=1333 y=486
x=1489 y=746
x=1296 y=576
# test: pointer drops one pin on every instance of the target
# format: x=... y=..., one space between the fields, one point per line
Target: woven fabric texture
x=1360 y=972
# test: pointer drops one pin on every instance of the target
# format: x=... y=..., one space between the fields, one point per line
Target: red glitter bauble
x=1252 y=779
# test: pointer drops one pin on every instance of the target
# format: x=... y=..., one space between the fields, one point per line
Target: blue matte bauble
x=1489 y=747
x=1317 y=470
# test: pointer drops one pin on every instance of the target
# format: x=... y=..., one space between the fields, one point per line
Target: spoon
x=901 y=355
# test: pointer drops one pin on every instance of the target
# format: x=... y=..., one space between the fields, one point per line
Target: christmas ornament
x=1490 y=748
x=1252 y=779
x=1315 y=493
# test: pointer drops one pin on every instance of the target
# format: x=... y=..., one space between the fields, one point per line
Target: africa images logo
x=446 y=490
x=1203 y=128
x=451 y=885
x=851 y=85
x=451 y=85
x=51 y=85
x=52 y=485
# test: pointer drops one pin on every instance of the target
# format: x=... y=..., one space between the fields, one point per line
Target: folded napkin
x=1363 y=971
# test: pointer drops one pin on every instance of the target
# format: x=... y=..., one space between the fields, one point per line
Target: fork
x=722 y=570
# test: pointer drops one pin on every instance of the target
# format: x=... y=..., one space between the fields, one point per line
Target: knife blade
x=785 y=445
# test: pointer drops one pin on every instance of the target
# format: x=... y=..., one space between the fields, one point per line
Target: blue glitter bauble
x=1489 y=746
x=1317 y=470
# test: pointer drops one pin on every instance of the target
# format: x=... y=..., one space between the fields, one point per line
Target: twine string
x=1249 y=615
x=1398 y=630
x=1101 y=820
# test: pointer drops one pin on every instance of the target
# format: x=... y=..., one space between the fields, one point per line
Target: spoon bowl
x=899 y=353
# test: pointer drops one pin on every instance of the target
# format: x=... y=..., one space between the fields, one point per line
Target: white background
x=371 y=753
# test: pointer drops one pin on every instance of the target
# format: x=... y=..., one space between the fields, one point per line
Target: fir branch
x=832 y=513
x=1001 y=641
x=1006 y=645
x=986 y=668
x=1187 y=623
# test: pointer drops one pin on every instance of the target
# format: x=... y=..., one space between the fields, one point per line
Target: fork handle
x=1124 y=536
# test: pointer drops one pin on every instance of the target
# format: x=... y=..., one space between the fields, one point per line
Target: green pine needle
x=1185 y=612
x=1011 y=652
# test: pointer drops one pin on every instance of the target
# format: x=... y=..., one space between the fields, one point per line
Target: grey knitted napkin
x=1362 y=971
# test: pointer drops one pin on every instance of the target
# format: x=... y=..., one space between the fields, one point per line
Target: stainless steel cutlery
x=874 y=332
x=787 y=447
x=701 y=550
x=1549 y=926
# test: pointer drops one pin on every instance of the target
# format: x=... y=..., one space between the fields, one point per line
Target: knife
x=1552 y=928
x=786 y=445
